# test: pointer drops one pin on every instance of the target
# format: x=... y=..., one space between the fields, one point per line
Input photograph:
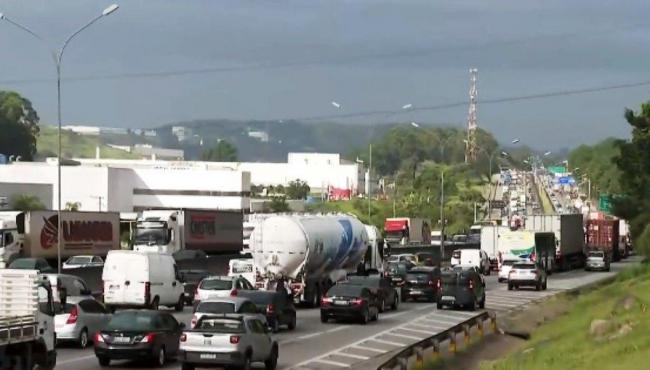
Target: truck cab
x=158 y=231
x=9 y=239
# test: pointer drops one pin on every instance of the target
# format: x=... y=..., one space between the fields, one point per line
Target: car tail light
x=439 y=284
x=183 y=337
x=431 y=283
x=193 y=321
x=471 y=284
x=234 y=339
x=196 y=292
x=357 y=301
x=233 y=293
x=147 y=292
x=148 y=338
x=74 y=315
x=326 y=301
x=99 y=338
x=270 y=309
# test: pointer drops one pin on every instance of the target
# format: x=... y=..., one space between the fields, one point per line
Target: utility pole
x=472 y=122
x=442 y=215
x=369 y=182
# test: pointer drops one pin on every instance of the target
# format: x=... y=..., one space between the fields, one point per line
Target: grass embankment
x=576 y=340
x=547 y=207
x=74 y=145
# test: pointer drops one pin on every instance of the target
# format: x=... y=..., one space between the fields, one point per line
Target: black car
x=462 y=286
x=277 y=306
x=348 y=301
x=379 y=285
x=138 y=334
x=396 y=272
x=191 y=279
x=421 y=283
x=39 y=264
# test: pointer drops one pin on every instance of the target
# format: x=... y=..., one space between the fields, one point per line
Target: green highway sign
x=557 y=169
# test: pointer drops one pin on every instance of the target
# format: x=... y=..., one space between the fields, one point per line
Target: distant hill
x=74 y=145
x=283 y=137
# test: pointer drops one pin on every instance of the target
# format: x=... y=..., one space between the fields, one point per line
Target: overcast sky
x=274 y=59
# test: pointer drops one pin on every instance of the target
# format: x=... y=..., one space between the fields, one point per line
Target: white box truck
x=26 y=320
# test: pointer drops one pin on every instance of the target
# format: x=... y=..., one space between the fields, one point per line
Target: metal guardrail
x=401 y=359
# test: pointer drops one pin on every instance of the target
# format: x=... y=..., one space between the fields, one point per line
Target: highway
x=314 y=345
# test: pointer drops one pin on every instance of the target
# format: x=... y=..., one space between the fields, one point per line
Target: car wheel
x=439 y=305
x=247 y=362
x=292 y=323
x=510 y=286
x=472 y=306
x=376 y=316
x=187 y=366
x=538 y=286
x=365 y=317
x=83 y=338
x=180 y=304
x=154 y=304
x=395 y=303
x=276 y=325
x=544 y=286
x=481 y=304
x=160 y=358
x=272 y=362
x=104 y=361
x=323 y=318
x=382 y=306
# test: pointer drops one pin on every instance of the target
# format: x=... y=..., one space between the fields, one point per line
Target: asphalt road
x=314 y=345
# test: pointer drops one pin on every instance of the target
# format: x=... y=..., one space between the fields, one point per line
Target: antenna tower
x=472 y=124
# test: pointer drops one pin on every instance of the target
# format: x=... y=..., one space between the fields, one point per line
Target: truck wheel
x=292 y=323
x=395 y=303
x=187 y=366
x=382 y=306
x=154 y=304
x=83 y=338
x=439 y=305
x=323 y=318
x=50 y=361
x=180 y=304
x=510 y=287
x=538 y=286
x=104 y=361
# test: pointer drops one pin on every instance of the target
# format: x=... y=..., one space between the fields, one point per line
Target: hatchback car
x=221 y=286
x=76 y=262
x=79 y=319
x=526 y=274
x=345 y=301
x=224 y=305
x=276 y=306
x=68 y=286
x=597 y=260
x=39 y=264
x=421 y=283
x=138 y=335
x=506 y=265
x=461 y=286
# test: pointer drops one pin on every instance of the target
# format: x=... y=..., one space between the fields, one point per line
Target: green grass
x=565 y=343
x=547 y=207
x=75 y=146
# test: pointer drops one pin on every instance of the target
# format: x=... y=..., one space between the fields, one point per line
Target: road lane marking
x=405 y=336
x=371 y=349
x=329 y=362
x=398 y=344
x=444 y=322
x=307 y=336
x=344 y=354
x=338 y=328
x=429 y=332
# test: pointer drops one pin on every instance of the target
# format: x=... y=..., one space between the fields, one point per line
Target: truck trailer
x=569 y=237
x=407 y=231
x=170 y=231
x=603 y=235
x=535 y=246
x=308 y=253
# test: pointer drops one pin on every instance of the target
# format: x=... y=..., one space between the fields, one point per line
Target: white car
x=472 y=257
x=505 y=267
x=221 y=286
x=76 y=262
x=225 y=305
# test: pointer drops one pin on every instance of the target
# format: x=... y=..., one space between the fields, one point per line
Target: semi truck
x=603 y=235
x=93 y=233
x=27 y=335
x=9 y=239
x=569 y=237
x=308 y=253
x=170 y=231
x=407 y=231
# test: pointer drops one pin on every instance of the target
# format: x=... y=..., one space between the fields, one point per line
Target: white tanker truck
x=310 y=253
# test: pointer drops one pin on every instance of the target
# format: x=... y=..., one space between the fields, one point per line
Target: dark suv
x=421 y=282
x=462 y=286
x=277 y=306
x=381 y=286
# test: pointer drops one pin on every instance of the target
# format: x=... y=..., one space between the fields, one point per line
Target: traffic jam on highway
x=201 y=288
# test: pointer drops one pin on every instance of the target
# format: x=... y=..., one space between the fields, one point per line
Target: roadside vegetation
x=606 y=328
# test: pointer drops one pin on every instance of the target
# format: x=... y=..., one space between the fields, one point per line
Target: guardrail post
x=403 y=363
x=452 y=342
x=419 y=356
x=435 y=346
x=466 y=334
x=493 y=323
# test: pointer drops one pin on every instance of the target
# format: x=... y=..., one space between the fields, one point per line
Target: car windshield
x=216 y=307
x=215 y=284
x=364 y=281
x=524 y=266
x=221 y=325
x=417 y=275
x=597 y=254
x=345 y=290
x=23 y=264
x=397 y=268
x=131 y=321
x=508 y=263
x=79 y=260
x=151 y=236
x=260 y=297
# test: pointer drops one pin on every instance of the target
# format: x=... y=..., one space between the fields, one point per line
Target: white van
x=142 y=279
x=472 y=257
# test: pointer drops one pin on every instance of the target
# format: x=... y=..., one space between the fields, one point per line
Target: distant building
x=148 y=151
x=182 y=133
x=150 y=133
x=262 y=136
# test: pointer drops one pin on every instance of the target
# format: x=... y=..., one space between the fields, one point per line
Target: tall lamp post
x=57 y=56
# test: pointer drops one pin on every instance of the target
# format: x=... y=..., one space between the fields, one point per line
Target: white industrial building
x=109 y=188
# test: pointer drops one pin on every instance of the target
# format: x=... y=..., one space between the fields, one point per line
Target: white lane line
x=451 y=315
x=397 y=344
x=428 y=332
x=338 y=328
x=346 y=354
x=329 y=362
x=444 y=322
x=75 y=360
x=310 y=335
x=371 y=349
x=404 y=336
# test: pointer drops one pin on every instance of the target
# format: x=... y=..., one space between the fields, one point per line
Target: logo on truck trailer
x=75 y=232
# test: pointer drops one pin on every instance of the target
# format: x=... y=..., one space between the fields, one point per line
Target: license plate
x=122 y=340
x=207 y=342
x=208 y=356
x=448 y=298
x=416 y=292
x=340 y=303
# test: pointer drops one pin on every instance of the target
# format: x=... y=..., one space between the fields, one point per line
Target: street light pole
x=58 y=57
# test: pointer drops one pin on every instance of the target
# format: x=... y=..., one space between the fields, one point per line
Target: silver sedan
x=79 y=319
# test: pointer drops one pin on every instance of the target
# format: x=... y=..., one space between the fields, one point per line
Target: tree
x=279 y=204
x=18 y=125
x=24 y=202
x=297 y=189
x=72 y=206
x=224 y=151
